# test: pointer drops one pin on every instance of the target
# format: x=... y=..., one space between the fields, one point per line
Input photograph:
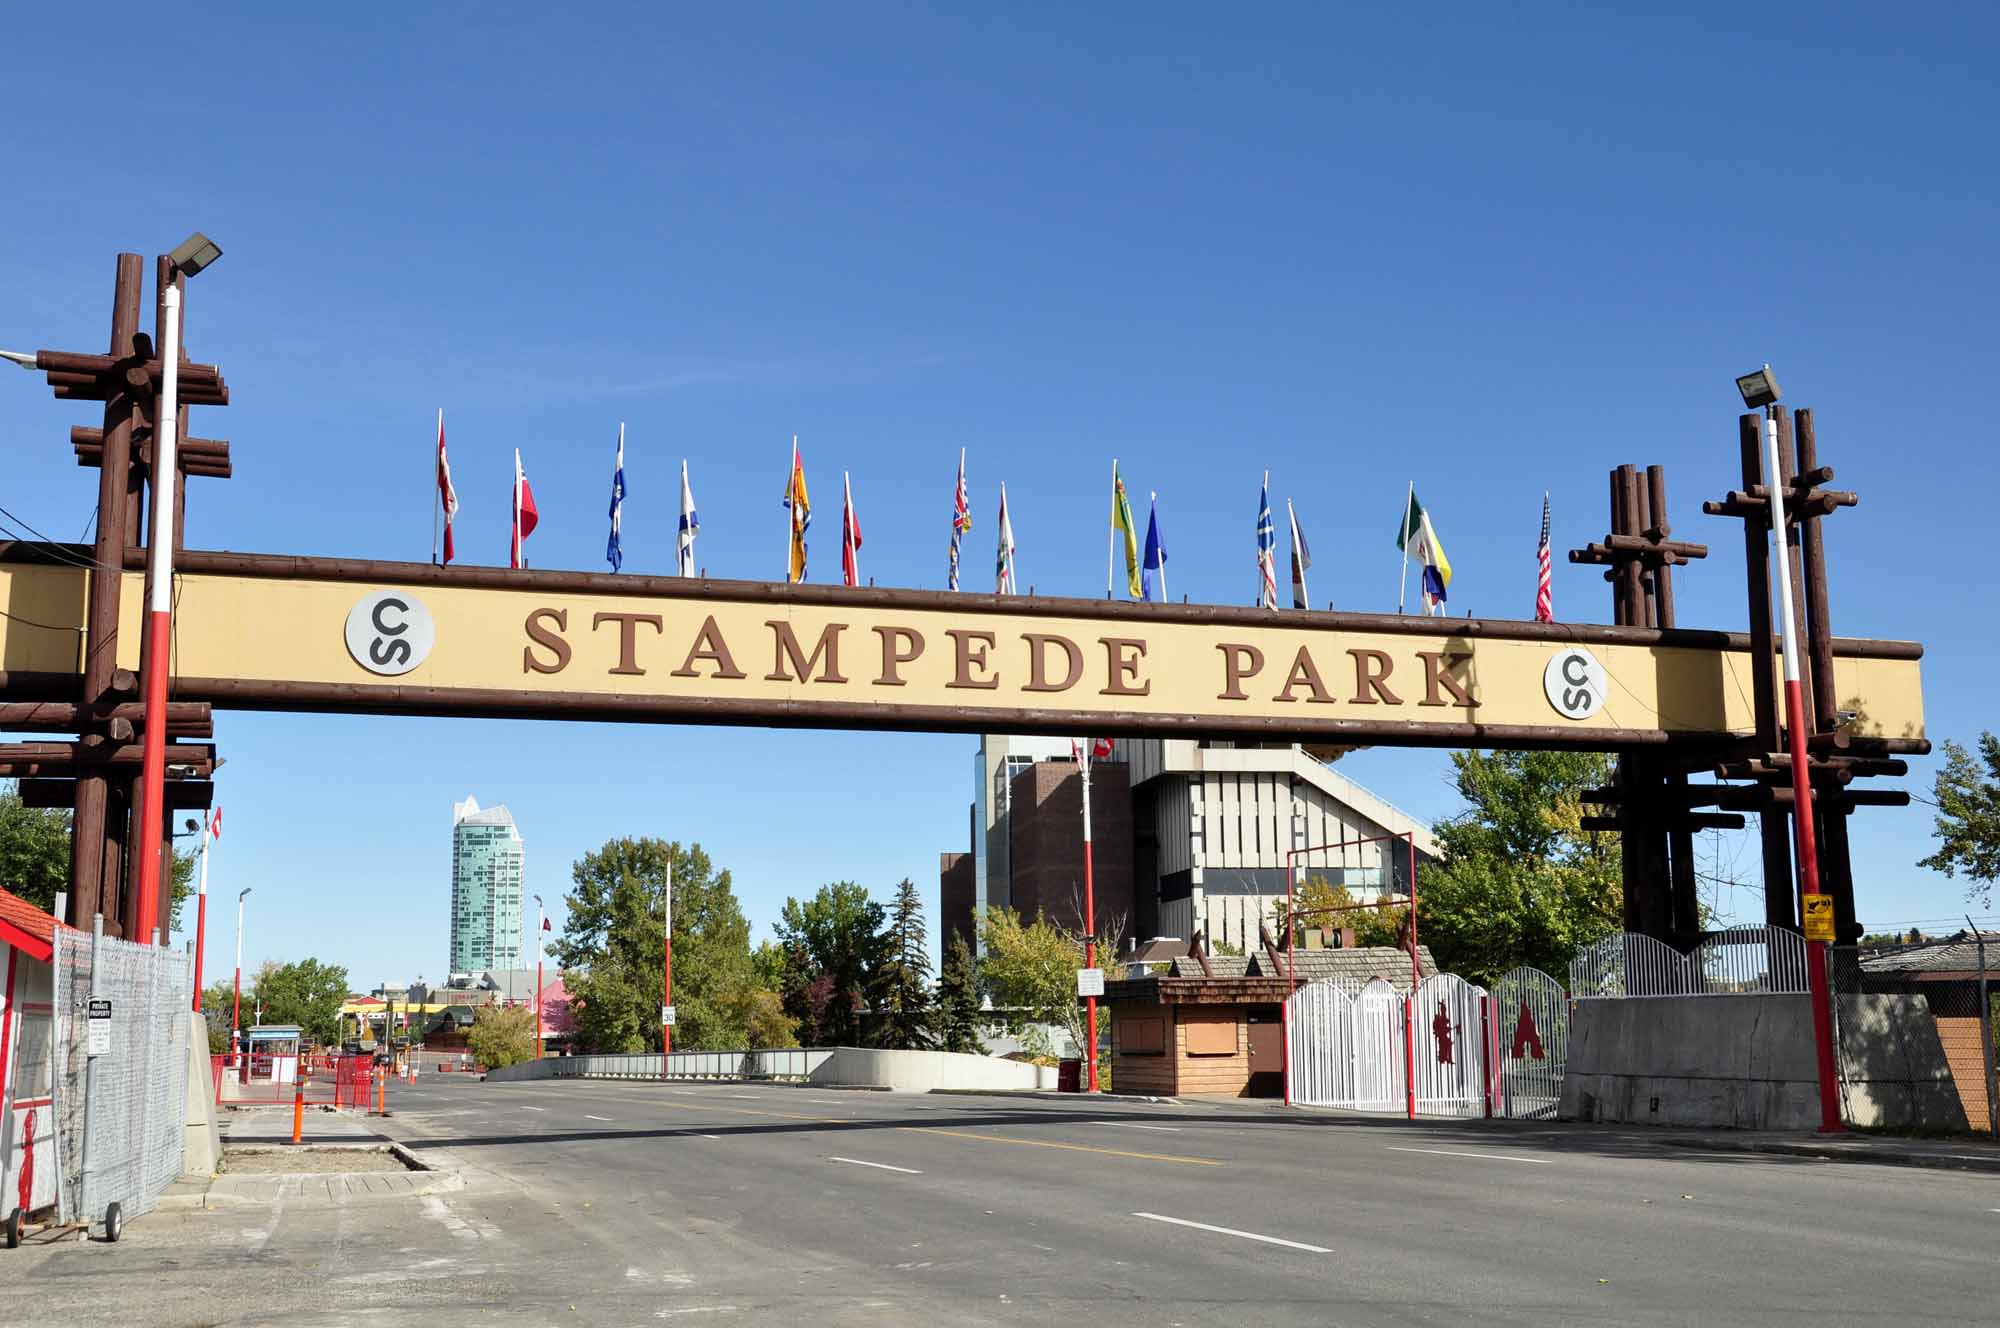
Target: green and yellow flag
x=1121 y=523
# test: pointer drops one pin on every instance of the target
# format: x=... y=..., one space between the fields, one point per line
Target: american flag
x=961 y=518
x=1545 y=609
x=1267 y=545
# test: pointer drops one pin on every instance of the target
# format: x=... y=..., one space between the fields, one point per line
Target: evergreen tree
x=902 y=987
x=958 y=1015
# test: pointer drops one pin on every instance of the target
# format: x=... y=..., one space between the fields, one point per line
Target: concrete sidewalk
x=323 y=1136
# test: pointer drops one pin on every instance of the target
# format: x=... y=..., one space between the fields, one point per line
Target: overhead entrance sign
x=280 y=633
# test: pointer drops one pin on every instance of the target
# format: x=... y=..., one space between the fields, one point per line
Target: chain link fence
x=1956 y=980
x=120 y=1113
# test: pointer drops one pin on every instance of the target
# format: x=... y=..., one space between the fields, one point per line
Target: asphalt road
x=767 y=1203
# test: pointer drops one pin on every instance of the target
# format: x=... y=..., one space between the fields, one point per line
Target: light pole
x=667 y=974
x=195 y=253
x=236 y=1001
x=538 y=977
x=201 y=913
x=1761 y=389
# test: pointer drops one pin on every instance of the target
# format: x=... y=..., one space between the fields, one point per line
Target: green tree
x=610 y=953
x=1520 y=881
x=1967 y=793
x=958 y=1014
x=217 y=1002
x=834 y=947
x=502 y=1036
x=903 y=984
x=761 y=1012
x=1030 y=967
x=307 y=993
x=1315 y=899
x=34 y=853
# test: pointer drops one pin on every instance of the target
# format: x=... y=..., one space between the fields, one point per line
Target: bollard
x=298 y=1109
x=381 y=1104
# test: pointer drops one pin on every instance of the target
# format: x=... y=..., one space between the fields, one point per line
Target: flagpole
x=437 y=495
x=1111 y=536
x=850 y=554
x=1403 y=585
x=791 y=502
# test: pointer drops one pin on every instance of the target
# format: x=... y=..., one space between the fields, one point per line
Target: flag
x=1121 y=523
x=850 y=536
x=447 y=496
x=545 y=924
x=215 y=823
x=1301 y=559
x=1267 y=545
x=524 y=514
x=801 y=510
x=1545 y=604
x=1003 y=580
x=961 y=519
x=1100 y=747
x=1156 y=555
x=614 y=551
x=690 y=526
x=1417 y=540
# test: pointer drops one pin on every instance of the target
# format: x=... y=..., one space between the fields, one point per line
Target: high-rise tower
x=488 y=865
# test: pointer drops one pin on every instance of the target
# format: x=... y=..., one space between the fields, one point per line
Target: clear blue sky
x=1494 y=251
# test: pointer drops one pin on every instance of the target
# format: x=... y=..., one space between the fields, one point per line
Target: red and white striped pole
x=201 y=919
x=1802 y=807
x=159 y=606
x=1089 y=913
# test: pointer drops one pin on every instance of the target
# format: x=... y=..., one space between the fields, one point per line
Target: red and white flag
x=545 y=924
x=524 y=513
x=215 y=824
x=850 y=536
x=1545 y=608
x=447 y=496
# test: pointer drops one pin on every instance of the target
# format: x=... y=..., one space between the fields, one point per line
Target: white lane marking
x=1488 y=1157
x=879 y=1166
x=534 y=1108
x=606 y=1119
x=1232 y=1231
x=1135 y=1125
x=696 y=1309
x=708 y=1136
x=747 y=1097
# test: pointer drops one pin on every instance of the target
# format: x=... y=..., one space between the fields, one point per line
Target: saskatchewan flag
x=1121 y=524
x=1417 y=540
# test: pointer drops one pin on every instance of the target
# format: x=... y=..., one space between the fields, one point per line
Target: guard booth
x=28 y=1171
x=274 y=1052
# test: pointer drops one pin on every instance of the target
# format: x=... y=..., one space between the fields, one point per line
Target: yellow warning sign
x=1819 y=917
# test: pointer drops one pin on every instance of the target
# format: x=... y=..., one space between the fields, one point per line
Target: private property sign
x=281 y=633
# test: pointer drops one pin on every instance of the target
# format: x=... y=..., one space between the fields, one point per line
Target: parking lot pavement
x=620 y=1202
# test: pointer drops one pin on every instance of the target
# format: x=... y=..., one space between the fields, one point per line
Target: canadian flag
x=215 y=824
x=447 y=496
x=524 y=513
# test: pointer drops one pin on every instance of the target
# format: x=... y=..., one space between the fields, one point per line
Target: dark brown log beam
x=182 y=794
x=185 y=719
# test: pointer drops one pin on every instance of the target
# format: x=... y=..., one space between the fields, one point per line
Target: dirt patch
x=308 y=1161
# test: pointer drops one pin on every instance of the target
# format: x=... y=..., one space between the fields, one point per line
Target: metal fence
x=794 y=1063
x=1737 y=961
x=120 y=1113
x=1964 y=1009
x=1531 y=1043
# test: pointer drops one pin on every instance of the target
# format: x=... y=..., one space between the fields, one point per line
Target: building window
x=1209 y=1037
x=1140 y=1037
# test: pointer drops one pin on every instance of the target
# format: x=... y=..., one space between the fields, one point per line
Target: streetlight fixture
x=194 y=254
x=25 y=359
x=1760 y=390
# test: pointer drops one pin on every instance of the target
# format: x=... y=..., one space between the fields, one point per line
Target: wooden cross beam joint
x=195 y=456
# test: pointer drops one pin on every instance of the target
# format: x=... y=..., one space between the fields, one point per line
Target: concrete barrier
x=201 y=1141
x=832 y=1067
x=1747 y=1062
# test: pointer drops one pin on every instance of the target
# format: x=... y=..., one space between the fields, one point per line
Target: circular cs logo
x=1576 y=683
x=390 y=632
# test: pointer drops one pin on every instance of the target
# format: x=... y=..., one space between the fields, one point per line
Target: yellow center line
x=962 y=1134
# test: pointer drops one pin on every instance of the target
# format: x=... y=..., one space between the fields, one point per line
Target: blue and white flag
x=614 y=552
x=1302 y=558
x=1155 y=568
x=1267 y=549
x=690 y=525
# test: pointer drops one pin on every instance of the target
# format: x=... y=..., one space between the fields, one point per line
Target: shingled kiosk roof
x=1260 y=978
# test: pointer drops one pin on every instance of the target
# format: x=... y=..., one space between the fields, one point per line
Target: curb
x=1867 y=1155
x=1044 y=1095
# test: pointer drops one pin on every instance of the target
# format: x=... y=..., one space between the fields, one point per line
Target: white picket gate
x=1452 y=1047
x=1530 y=1043
x=1345 y=1048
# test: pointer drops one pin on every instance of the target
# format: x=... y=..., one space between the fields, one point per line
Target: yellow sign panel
x=283 y=633
x=1819 y=919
